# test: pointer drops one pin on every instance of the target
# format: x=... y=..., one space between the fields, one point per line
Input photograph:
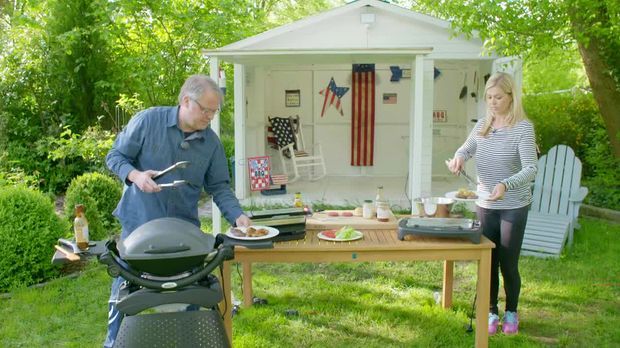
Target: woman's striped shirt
x=505 y=155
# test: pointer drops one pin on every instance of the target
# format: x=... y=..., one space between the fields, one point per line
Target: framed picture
x=440 y=116
x=292 y=98
x=390 y=98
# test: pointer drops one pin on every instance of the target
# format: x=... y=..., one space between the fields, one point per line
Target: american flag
x=363 y=115
x=333 y=93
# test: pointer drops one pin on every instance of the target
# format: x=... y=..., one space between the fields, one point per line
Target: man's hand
x=143 y=180
x=243 y=221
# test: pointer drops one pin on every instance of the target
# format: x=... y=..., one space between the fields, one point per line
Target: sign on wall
x=292 y=98
x=390 y=98
x=440 y=116
x=259 y=169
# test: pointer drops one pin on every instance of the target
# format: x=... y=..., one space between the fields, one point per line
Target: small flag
x=333 y=93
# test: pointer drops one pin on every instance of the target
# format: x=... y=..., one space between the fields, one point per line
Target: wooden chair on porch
x=295 y=157
x=557 y=197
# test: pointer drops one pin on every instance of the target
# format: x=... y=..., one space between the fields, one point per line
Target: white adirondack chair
x=557 y=196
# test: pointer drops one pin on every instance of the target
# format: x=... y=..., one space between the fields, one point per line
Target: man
x=153 y=140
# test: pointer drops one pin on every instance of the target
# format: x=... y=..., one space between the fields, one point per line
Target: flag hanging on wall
x=363 y=115
x=333 y=93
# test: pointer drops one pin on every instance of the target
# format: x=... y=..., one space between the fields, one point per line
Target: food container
x=434 y=206
x=166 y=247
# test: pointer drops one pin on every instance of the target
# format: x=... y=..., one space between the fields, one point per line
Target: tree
x=531 y=28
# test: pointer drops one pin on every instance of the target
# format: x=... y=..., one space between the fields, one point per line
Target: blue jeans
x=114 y=316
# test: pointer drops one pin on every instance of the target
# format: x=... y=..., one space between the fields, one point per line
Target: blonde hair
x=506 y=83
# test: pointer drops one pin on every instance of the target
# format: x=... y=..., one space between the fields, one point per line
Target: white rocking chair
x=292 y=151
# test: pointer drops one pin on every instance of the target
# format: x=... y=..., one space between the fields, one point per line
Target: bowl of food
x=434 y=206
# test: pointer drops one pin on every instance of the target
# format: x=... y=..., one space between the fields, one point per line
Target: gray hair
x=196 y=85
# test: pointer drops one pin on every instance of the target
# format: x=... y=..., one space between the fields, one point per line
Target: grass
x=572 y=301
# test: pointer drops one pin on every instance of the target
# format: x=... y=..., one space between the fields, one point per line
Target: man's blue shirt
x=153 y=140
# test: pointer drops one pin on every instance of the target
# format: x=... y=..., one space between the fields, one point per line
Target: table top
x=375 y=240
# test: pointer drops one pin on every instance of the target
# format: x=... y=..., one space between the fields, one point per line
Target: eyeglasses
x=206 y=111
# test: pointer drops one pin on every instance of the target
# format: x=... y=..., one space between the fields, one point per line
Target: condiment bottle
x=298 y=202
x=383 y=212
x=379 y=197
x=368 y=209
x=80 y=227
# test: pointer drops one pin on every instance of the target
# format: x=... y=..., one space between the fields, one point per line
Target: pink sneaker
x=510 y=326
x=493 y=323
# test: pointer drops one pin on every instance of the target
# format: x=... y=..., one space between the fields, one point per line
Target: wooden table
x=377 y=245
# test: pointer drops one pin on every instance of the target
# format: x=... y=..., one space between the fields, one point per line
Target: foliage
x=90 y=147
x=572 y=119
x=558 y=70
x=535 y=28
x=28 y=232
x=99 y=194
x=362 y=304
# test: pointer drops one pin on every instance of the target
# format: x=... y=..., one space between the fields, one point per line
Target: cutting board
x=321 y=221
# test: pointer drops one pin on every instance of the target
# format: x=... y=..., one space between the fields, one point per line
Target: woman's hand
x=455 y=165
x=498 y=192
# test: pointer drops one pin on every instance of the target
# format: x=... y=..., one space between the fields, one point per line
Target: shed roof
x=358 y=31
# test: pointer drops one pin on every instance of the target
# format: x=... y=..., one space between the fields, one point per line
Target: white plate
x=358 y=235
x=481 y=196
x=271 y=232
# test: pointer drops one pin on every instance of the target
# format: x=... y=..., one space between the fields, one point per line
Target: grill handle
x=168 y=250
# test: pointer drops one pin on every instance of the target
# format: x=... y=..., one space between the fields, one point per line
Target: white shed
x=420 y=118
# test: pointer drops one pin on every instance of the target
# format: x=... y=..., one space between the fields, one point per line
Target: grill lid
x=166 y=238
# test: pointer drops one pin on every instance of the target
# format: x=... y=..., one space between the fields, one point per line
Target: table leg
x=226 y=304
x=247 y=283
x=448 y=284
x=483 y=289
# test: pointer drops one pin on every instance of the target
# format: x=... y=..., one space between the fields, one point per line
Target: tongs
x=178 y=165
x=173 y=184
x=464 y=174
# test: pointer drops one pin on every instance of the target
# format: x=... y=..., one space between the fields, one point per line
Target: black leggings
x=505 y=228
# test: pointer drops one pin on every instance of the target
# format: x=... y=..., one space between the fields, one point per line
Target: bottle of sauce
x=379 y=197
x=298 y=203
x=80 y=228
x=368 y=209
x=383 y=212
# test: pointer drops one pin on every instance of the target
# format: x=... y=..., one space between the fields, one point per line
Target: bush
x=99 y=194
x=573 y=119
x=29 y=230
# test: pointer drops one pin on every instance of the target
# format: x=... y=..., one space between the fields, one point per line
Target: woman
x=503 y=144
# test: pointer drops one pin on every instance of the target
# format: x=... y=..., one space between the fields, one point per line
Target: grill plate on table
x=440 y=228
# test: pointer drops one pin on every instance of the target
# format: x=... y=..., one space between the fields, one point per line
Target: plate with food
x=252 y=232
x=467 y=195
x=344 y=234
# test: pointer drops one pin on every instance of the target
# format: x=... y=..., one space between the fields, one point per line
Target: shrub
x=29 y=230
x=573 y=119
x=99 y=193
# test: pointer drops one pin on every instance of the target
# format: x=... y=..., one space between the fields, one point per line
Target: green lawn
x=568 y=302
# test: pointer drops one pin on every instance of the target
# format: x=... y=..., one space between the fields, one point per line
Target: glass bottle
x=80 y=227
x=383 y=212
x=379 y=197
x=298 y=203
x=368 y=209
